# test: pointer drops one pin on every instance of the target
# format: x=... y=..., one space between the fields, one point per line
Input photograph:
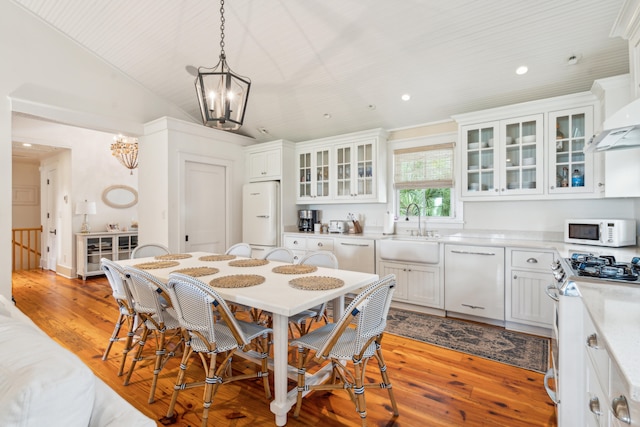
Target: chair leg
x=160 y=352
x=264 y=355
x=180 y=380
x=128 y=344
x=386 y=383
x=361 y=404
x=302 y=359
x=114 y=335
x=138 y=355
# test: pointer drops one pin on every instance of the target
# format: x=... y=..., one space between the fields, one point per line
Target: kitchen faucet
x=419 y=218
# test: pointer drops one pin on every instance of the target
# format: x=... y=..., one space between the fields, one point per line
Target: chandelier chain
x=222 y=54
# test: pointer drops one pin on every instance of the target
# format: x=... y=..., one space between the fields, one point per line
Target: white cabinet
x=527 y=307
x=348 y=168
x=265 y=165
x=355 y=171
x=269 y=161
x=313 y=166
x=92 y=247
x=570 y=169
x=596 y=357
x=530 y=151
x=474 y=281
x=300 y=244
x=418 y=284
x=503 y=157
x=355 y=254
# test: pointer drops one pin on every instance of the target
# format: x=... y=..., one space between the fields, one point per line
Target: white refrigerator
x=261 y=216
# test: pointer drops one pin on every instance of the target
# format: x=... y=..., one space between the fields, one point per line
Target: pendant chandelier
x=222 y=93
x=126 y=151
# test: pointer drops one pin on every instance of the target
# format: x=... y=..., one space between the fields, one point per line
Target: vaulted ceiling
x=352 y=59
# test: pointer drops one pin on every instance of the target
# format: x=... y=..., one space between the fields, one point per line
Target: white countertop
x=615 y=311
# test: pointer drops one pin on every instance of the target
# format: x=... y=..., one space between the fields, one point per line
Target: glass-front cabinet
x=355 y=170
x=313 y=174
x=92 y=247
x=570 y=170
x=503 y=157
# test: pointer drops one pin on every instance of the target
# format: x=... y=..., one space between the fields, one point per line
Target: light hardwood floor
x=433 y=386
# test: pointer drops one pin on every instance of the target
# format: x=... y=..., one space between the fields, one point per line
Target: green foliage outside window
x=432 y=202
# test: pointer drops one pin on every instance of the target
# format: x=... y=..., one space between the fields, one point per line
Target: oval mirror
x=120 y=196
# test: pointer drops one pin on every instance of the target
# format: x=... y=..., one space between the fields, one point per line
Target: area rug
x=490 y=342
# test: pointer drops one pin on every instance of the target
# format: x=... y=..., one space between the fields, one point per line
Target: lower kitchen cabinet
x=527 y=307
x=474 y=281
x=415 y=283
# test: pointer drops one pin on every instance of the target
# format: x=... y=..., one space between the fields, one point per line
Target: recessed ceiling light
x=406 y=97
x=522 y=70
x=327 y=115
x=263 y=131
x=26 y=144
x=371 y=106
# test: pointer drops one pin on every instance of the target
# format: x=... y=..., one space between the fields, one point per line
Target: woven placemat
x=156 y=264
x=217 y=257
x=316 y=283
x=172 y=256
x=237 y=281
x=248 y=262
x=294 y=269
x=197 y=271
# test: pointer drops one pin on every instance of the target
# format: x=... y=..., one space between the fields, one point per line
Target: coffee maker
x=306 y=219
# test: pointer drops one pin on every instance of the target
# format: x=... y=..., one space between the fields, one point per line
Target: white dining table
x=276 y=296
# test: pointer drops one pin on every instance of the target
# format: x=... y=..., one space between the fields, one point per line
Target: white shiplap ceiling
x=306 y=58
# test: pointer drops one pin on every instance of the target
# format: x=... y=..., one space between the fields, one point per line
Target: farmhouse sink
x=409 y=249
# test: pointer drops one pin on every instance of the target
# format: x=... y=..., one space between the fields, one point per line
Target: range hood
x=622 y=130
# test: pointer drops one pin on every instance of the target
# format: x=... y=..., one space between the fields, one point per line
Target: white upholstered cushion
x=41 y=383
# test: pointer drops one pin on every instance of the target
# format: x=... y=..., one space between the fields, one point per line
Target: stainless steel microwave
x=601 y=232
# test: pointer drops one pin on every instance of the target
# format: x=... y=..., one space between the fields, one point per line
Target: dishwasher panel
x=474 y=280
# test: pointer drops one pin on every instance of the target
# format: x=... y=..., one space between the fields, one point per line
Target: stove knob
x=555 y=265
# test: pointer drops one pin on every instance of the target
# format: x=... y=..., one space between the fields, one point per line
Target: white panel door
x=205 y=210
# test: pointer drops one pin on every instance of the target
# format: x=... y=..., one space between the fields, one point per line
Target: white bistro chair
x=303 y=321
x=148 y=250
x=199 y=309
x=280 y=254
x=239 y=249
x=349 y=349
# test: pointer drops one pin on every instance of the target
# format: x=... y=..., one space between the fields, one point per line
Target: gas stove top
x=605 y=267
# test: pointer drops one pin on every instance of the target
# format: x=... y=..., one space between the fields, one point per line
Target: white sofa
x=43 y=384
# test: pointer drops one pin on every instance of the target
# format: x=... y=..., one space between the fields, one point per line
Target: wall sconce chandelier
x=126 y=151
x=222 y=94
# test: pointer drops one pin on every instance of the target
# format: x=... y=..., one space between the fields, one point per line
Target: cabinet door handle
x=592 y=341
x=262 y=216
x=594 y=406
x=532 y=261
x=361 y=245
x=474 y=307
x=472 y=253
x=320 y=244
x=621 y=409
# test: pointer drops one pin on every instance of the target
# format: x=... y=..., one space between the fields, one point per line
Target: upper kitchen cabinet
x=570 y=169
x=343 y=169
x=313 y=174
x=530 y=151
x=265 y=161
x=503 y=158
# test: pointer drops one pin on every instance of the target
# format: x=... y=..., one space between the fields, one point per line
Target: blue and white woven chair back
x=194 y=301
x=280 y=254
x=115 y=276
x=146 y=298
x=240 y=249
x=369 y=310
x=149 y=249
x=320 y=259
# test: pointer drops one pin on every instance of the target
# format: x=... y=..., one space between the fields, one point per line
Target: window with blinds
x=424 y=176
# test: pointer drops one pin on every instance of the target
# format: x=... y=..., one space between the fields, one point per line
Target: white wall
x=45 y=74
